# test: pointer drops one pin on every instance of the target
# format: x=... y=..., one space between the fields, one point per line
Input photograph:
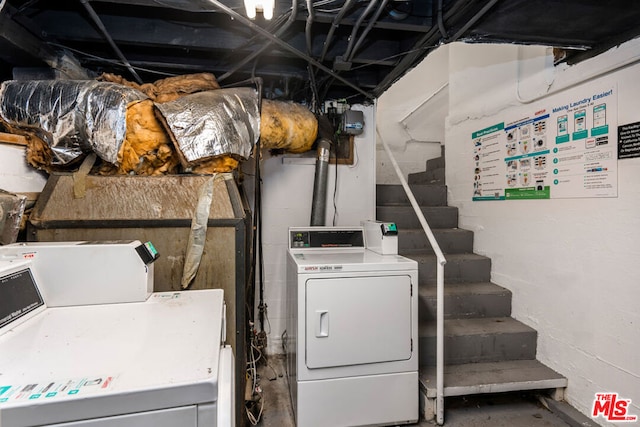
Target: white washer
x=156 y=363
x=352 y=330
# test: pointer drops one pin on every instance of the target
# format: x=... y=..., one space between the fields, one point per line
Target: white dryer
x=352 y=330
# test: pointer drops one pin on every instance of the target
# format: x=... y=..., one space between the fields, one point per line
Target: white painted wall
x=572 y=264
x=410 y=117
x=287 y=194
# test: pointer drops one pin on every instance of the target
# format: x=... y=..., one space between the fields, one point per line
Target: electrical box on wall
x=352 y=122
x=335 y=106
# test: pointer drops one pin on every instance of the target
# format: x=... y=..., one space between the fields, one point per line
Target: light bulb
x=250 y=7
x=267 y=8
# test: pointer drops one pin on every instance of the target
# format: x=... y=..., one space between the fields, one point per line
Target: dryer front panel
x=358 y=320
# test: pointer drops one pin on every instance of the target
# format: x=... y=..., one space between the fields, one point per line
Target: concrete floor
x=511 y=410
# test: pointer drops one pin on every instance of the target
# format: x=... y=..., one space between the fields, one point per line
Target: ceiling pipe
x=107 y=36
x=356 y=27
x=235 y=15
x=256 y=53
x=351 y=50
x=367 y=29
x=443 y=30
x=307 y=28
x=334 y=25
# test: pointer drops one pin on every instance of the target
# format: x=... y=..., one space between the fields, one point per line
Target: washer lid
x=332 y=262
x=72 y=363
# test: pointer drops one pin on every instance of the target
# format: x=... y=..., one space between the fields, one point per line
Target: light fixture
x=266 y=6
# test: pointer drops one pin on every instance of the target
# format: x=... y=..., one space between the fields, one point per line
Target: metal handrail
x=440 y=285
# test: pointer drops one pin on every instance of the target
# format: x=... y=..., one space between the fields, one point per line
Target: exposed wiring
x=378 y=61
x=258 y=208
x=257 y=223
x=334 y=26
x=443 y=30
x=367 y=29
x=252 y=372
x=336 y=10
x=308 y=25
x=314 y=89
x=109 y=61
x=253 y=347
x=324 y=2
x=253 y=419
x=335 y=186
x=354 y=32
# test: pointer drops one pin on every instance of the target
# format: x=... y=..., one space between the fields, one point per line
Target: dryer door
x=357 y=320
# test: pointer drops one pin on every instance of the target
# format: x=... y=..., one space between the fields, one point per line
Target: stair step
x=405 y=217
x=426 y=195
x=486 y=351
x=466 y=300
x=490 y=339
x=476 y=378
x=451 y=240
x=460 y=268
x=434 y=176
x=437 y=163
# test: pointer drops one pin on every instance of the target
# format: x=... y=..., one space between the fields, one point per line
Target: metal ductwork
x=319 y=202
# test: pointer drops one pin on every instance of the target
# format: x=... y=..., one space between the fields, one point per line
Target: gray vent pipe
x=319 y=202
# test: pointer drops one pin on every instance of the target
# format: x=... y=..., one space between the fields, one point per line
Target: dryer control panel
x=326 y=237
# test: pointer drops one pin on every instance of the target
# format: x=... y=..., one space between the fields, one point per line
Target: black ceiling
x=345 y=49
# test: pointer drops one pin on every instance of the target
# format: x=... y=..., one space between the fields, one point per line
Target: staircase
x=486 y=351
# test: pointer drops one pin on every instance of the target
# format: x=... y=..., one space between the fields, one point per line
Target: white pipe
x=440 y=284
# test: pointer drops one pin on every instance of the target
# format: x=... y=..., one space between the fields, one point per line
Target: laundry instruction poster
x=565 y=149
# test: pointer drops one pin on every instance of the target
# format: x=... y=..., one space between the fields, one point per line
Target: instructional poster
x=564 y=150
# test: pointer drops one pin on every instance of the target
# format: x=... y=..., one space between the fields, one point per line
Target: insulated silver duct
x=319 y=202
